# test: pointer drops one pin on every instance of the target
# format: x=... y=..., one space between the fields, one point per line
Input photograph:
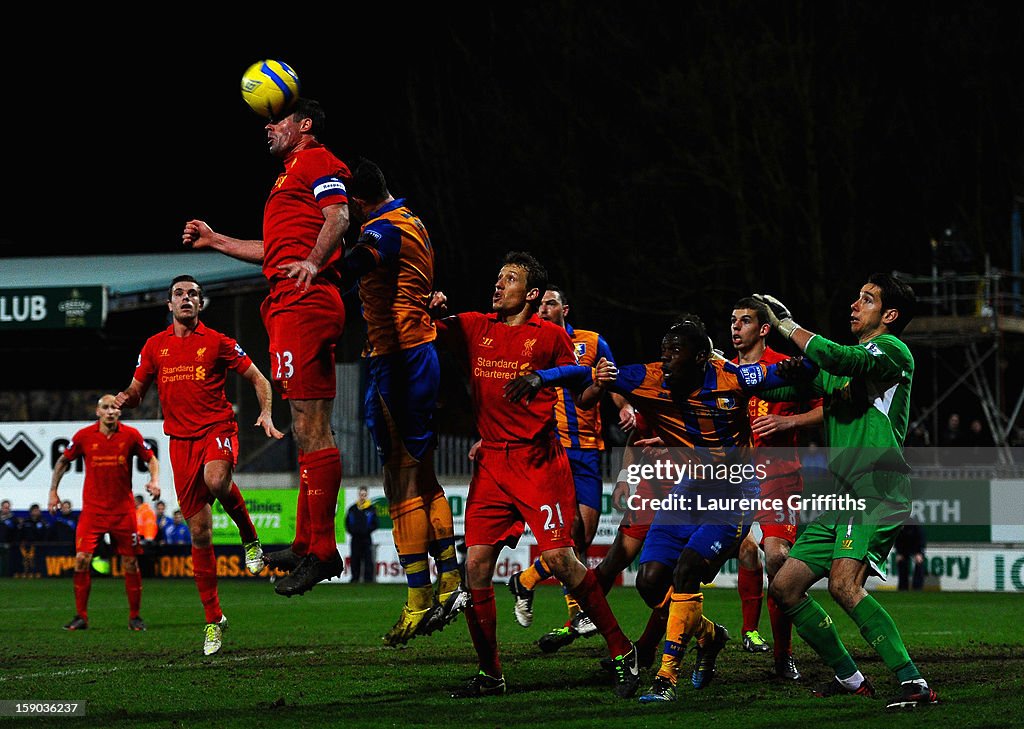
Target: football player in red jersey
x=774 y=426
x=108 y=447
x=580 y=432
x=189 y=363
x=304 y=220
x=521 y=474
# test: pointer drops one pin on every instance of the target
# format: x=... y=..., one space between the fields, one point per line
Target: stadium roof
x=135 y=280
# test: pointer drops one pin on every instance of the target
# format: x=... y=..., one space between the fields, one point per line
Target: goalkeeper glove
x=778 y=315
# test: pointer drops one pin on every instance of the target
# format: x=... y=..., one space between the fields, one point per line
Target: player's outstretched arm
x=437 y=306
x=764 y=425
x=265 y=397
x=782 y=321
x=131 y=396
x=153 y=485
x=59 y=469
x=198 y=234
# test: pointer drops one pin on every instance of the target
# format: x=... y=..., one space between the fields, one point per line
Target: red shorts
x=122 y=528
x=303 y=329
x=189 y=456
x=531 y=483
x=636 y=522
x=781 y=523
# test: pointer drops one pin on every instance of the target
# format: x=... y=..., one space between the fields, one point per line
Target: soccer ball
x=270 y=87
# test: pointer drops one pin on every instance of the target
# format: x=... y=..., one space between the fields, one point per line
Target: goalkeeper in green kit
x=866 y=392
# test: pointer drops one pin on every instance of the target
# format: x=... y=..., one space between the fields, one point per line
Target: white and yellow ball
x=270 y=87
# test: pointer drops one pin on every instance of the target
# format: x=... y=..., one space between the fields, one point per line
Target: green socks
x=815 y=626
x=882 y=634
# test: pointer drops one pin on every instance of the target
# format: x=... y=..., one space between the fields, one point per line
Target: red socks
x=320 y=480
x=234 y=505
x=750 y=584
x=482 y=619
x=204 y=570
x=83 y=581
x=133 y=589
x=591 y=598
x=782 y=629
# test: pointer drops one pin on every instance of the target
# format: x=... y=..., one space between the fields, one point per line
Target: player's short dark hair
x=749 y=302
x=536 y=274
x=898 y=295
x=183 y=277
x=368 y=182
x=310 y=109
x=691 y=329
x=560 y=291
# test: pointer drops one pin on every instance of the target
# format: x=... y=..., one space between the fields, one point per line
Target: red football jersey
x=783 y=456
x=108 y=467
x=497 y=354
x=190 y=374
x=313 y=178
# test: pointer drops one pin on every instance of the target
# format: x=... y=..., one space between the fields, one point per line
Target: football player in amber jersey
x=304 y=221
x=109 y=448
x=189 y=363
x=698 y=402
x=521 y=473
x=394 y=261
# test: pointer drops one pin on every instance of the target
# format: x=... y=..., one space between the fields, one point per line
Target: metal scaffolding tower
x=973 y=315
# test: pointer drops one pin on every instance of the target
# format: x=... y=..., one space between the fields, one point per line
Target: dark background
x=658 y=158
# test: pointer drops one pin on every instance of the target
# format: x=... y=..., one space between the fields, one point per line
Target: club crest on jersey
x=580 y=348
x=200 y=354
x=528 y=347
x=726 y=403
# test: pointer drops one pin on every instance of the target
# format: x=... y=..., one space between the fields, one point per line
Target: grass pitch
x=317 y=660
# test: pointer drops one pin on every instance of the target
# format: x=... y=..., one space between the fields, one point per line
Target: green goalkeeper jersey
x=865 y=390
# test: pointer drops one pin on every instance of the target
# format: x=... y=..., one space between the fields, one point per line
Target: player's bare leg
x=583 y=585
x=422 y=526
x=578 y=624
x=219 y=480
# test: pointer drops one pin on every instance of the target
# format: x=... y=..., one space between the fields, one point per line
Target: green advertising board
x=273 y=514
x=53 y=307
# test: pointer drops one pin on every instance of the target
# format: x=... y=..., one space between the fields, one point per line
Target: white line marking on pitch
x=114 y=669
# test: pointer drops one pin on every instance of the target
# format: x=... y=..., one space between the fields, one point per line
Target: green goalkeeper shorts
x=863 y=535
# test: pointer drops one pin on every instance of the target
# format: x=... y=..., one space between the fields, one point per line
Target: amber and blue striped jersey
x=578 y=428
x=712 y=417
x=395 y=293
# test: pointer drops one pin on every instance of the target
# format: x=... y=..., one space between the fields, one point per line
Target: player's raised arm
x=198 y=235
